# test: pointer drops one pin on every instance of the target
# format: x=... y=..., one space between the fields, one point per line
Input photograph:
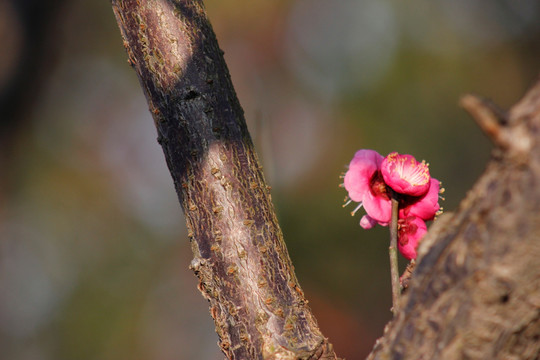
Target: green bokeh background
x=93 y=248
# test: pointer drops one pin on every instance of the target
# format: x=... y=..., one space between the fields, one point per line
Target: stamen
x=347 y=202
x=356 y=209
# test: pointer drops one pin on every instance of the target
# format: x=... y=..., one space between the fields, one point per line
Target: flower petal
x=378 y=208
x=361 y=169
x=405 y=175
x=367 y=222
x=425 y=207
x=410 y=232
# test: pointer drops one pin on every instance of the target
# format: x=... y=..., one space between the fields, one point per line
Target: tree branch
x=239 y=254
x=488 y=117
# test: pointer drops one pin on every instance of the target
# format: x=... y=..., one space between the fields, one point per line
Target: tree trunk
x=475 y=293
x=239 y=254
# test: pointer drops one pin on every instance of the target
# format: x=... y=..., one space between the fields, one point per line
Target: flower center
x=414 y=172
x=405 y=228
x=378 y=186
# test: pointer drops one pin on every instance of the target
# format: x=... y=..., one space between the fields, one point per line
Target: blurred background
x=93 y=248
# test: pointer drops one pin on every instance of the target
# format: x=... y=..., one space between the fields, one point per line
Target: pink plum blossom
x=373 y=180
x=405 y=175
x=364 y=183
x=426 y=206
x=410 y=231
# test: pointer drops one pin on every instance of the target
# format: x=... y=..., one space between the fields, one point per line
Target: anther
x=356 y=209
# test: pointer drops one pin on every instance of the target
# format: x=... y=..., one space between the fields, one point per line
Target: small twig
x=489 y=117
x=392 y=250
x=406 y=277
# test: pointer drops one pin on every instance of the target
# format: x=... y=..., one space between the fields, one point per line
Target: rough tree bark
x=475 y=293
x=239 y=254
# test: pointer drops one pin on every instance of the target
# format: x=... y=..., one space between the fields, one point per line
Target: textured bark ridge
x=239 y=254
x=475 y=294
